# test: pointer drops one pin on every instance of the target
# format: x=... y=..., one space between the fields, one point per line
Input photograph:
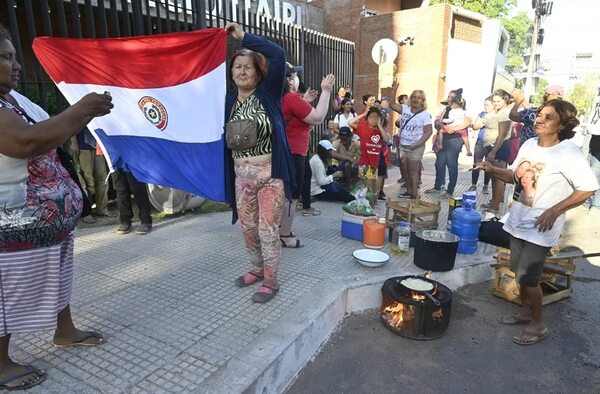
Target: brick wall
x=419 y=66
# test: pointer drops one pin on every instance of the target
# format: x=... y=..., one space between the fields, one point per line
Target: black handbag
x=491 y=232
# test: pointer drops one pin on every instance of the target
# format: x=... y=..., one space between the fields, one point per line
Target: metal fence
x=319 y=53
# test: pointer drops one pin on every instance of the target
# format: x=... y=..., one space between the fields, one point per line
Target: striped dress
x=36 y=238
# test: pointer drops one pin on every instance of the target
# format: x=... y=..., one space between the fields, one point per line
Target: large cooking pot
x=435 y=250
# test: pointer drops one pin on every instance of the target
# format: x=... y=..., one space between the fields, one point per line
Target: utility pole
x=541 y=9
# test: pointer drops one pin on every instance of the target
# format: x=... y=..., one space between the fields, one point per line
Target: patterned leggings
x=260 y=200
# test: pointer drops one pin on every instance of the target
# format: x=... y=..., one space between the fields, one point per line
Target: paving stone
x=182 y=375
x=167 y=304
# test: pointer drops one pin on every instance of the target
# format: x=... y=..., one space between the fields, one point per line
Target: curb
x=272 y=363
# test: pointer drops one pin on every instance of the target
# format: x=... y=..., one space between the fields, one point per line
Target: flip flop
x=30 y=369
x=514 y=319
x=535 y=337
x=92 y=339
x=248 y=279
x=264 y=294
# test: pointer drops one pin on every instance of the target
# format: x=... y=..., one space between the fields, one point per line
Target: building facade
x=440 y=48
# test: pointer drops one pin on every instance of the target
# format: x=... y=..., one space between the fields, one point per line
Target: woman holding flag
x=39 y=208
x=260 y=176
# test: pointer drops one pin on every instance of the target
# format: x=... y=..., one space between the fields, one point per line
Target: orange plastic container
x=374 y=233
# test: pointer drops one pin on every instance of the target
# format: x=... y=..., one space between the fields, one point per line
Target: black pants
x=334 y=192
x=479 y=156
x=306 y=184
x=125 y=186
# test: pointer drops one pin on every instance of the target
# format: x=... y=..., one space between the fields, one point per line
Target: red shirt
x=294 y=110
x=370 y=143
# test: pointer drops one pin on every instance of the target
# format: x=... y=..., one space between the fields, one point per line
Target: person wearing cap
x=299 y=116
x=368 y=126
x=261 y=178
x=527 y=115
x=323 y=186
x=347 y=153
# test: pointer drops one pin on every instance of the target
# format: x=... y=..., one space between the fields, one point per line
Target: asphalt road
x=477 y=354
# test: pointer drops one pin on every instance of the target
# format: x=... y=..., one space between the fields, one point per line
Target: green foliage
x=518 y=28
x=55 y=102
x=494 y=9
x=583 y=93
x=538 y=99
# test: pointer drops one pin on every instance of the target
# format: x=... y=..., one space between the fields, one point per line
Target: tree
x=494 y=9
x=518 y=28
x=538 y=99
x=583 y=93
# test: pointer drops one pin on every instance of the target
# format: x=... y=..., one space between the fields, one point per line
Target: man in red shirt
x=368 y=126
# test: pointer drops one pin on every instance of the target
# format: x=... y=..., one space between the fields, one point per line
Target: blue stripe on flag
x=170 y=163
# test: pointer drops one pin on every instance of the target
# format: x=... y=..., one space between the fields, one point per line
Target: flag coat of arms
x=168 y=92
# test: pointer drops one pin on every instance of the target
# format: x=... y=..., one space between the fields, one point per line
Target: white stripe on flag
x=202 y=123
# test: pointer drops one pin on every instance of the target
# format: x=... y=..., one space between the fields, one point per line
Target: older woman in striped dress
x=39 y=207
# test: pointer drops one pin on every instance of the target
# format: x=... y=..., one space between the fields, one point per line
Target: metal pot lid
x=437 y=236
x=417 y=284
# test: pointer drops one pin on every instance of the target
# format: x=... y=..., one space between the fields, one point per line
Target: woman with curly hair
x=563 y=180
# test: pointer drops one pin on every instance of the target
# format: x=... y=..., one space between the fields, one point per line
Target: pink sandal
x=248 y=279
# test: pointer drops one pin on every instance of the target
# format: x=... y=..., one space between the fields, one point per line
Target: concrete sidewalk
x=175 y=322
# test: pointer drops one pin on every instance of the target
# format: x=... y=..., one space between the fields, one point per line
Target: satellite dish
x=384 y=51
x=169 y=200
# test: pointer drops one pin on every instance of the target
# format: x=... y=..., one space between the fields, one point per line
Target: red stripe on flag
x=134 y=62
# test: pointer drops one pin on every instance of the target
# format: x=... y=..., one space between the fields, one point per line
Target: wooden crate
x=417 y=212
x=556 y=281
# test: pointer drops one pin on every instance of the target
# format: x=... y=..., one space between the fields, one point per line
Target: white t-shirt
x=342 y=120
x=13 y=177
x=455 y=117
x=319 y=175
x=413 y=130
x=545 y=177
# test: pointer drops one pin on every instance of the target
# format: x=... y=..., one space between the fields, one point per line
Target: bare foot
x=78 y=338
x=515 y=318
x=17 y=376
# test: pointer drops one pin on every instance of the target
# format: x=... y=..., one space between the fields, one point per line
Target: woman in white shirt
x=551 y=176
x=323 y=186
x=345 y=115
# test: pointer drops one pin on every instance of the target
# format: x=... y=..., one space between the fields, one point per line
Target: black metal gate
x=319 y=53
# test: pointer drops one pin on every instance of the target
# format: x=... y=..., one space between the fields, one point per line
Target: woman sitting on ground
x=323 y=186
x=555 y=177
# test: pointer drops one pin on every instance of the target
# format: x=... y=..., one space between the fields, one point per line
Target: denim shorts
x=503 y=153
